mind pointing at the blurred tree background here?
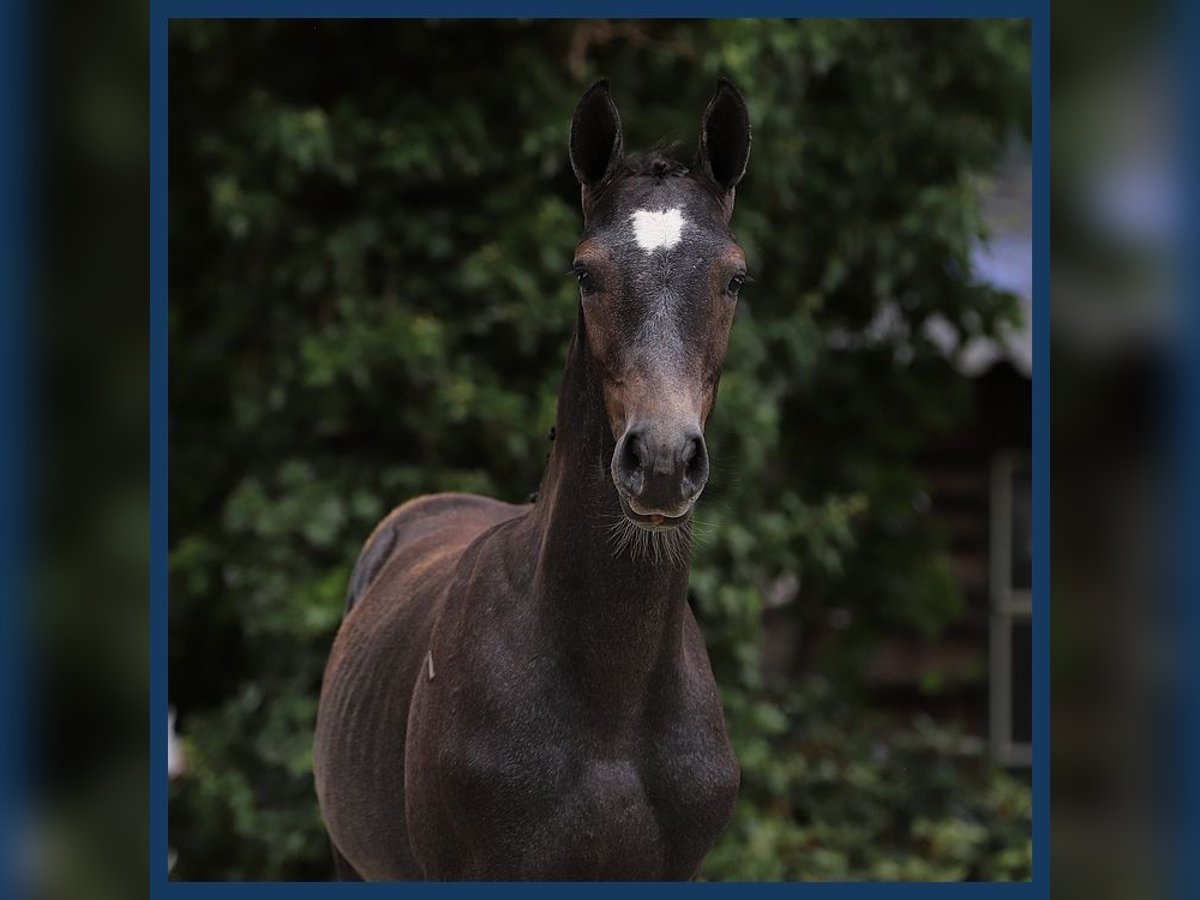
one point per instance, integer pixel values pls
(371, 229)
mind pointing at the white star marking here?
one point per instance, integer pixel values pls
(652, 230)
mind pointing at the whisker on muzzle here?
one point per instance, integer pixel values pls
(672, 547)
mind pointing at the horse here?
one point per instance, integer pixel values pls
(522, 692)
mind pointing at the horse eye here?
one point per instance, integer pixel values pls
(586, 283)
(735, 284)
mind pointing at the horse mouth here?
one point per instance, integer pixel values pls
(653, 521)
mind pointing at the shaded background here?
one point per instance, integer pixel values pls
(371, 229)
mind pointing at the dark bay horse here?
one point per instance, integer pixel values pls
(522, 692)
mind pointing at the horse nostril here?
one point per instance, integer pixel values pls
(690, 448)
(637, 450)
(631, 462)
(695, 464)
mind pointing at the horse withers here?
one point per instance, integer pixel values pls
(522, 692)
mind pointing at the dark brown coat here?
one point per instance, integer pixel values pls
(522, 692)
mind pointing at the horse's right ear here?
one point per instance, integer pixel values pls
(725, 138)
(597, 146)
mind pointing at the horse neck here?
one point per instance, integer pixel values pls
(615, 613)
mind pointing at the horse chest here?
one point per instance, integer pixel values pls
(643, 818)
(550, 799)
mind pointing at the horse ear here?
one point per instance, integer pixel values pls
(597, 146)
(724, 137)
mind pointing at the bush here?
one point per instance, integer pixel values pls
(827, 796)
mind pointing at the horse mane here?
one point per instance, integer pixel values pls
(659, 162)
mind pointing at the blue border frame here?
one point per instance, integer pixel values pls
(161, 11)
(158, 447)
(16, 160)
(1041, 451)
(1184, 807)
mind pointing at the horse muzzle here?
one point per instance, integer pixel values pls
(659, 473)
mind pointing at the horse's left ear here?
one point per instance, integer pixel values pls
(724, 138)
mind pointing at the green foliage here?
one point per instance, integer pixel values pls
(826, 797)
(371, 227)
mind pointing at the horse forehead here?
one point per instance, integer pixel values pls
(655, 229)
(651, 230)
